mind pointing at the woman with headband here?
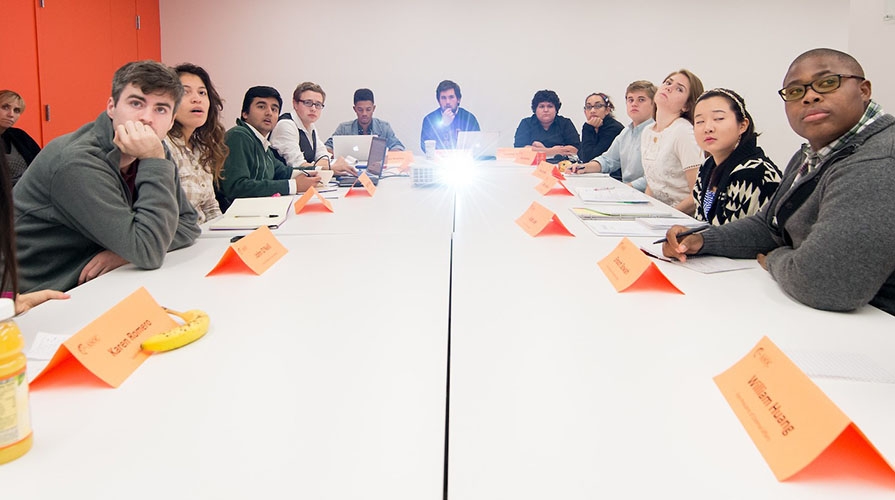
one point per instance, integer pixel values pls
(737, 179)
(600, 129)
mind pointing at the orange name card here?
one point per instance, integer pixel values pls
(369, 187)
(556, 173)
(790, 420)
(543, 170)
(539, 221)
(549, 186)
(253, 254)
(507, 153)
(526, 156)
(305, 198)
(400, 159)
(628, 268)
(109, 347)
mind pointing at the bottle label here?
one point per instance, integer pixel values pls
(15, 420)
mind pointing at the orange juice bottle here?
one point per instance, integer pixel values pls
(15, 418)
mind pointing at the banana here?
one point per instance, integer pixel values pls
(194, 327)
(563, 165)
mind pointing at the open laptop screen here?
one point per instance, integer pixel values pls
(376, 158)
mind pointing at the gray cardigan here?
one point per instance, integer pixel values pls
(72, 203)
(841, 249)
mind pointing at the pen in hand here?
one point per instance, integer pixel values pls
(688, 232)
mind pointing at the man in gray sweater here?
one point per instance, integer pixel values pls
(107, 193)
(827, 235)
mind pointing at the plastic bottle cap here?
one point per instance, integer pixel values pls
(7, 309)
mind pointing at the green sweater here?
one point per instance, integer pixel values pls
(249, 170)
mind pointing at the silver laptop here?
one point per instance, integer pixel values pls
(375, 163)
(482, 144)
(356, 146)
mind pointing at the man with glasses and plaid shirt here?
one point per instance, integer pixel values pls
(827, 235)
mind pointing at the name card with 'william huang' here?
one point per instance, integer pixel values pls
(792, 422)
(253, 254)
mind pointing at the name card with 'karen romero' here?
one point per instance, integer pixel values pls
(109, 347)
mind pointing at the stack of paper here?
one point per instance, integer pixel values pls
(622, 228)
(612, 194)
(620, 212)
(665, 223)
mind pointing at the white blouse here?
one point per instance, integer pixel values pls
(666, 156)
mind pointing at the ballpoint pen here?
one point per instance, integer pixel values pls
(685, 233)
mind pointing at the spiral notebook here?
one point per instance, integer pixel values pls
(252, 213)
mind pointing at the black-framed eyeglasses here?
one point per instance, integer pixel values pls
(311, 104)
(823, 85)
(588, 107)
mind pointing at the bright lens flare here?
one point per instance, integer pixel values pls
(457, 168)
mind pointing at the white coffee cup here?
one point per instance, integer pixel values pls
(430, 150)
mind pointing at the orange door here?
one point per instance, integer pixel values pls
(124, 34)
(74, 44)
(149, 37)
(20, 72)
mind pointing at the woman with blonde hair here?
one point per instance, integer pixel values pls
(670, 155)
(18, 147)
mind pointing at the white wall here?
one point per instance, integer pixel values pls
(871, 41)
(499, 52)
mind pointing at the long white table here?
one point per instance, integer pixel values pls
(313, 381)
(563, 388)
(326, 376)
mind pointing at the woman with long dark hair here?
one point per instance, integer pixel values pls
(196, 140)
(737, 179)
